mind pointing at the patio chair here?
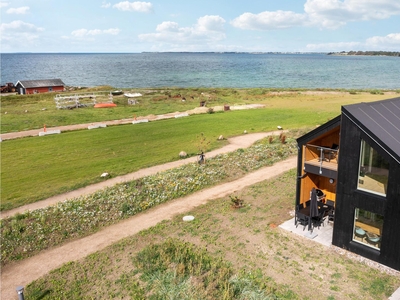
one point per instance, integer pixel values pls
(331, 215)
(330, 203)
(329, 153)
(319, 220)
(360, 233)
(333, 153)
(300, 218)
(331, 210)
(372, 238)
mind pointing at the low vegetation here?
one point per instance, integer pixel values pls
(25, 112)
(224, 253)
(36, 168)
(28, 233)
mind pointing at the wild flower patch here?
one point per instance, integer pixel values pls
(25, 234)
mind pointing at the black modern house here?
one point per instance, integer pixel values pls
(354, 161)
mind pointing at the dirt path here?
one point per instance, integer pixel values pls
(25, 271)
(197, 110)
(242, 141)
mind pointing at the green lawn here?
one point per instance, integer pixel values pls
(24, 112)
(35, 168)
(38, 167)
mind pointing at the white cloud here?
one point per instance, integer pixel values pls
(105, 5)
(19, 26)
(335, 13)
(207, 29)
(330, 14)
(134, 6)
(112, 31)
(19, 30)
(210, 23)
(3, 4)
(390, 42)
(79, 33)
(269, 20)
(19, 11)
(168, 26)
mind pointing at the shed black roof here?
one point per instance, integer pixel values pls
(380, 120)
(40, 83)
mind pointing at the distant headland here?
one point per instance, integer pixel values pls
(369, 53)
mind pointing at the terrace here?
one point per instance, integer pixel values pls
(321, 160)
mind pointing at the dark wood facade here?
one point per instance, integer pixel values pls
(351, 198)
(378, 125)
(39, 86)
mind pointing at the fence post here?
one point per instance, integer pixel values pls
(20, 292)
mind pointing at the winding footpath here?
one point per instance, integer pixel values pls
(25, 271)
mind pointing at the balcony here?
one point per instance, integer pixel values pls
(321, 160)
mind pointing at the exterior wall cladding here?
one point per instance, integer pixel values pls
(350, 198)
(44, 89)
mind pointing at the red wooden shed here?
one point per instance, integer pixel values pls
(39, 86)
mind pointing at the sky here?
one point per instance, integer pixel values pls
(103, 26)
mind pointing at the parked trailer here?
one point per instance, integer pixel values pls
(8, 88)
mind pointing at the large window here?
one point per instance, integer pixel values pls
(373, 170)
(367, 228)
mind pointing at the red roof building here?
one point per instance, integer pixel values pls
(39, 86)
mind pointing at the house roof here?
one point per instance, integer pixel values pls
(380, 120)
(40, 83)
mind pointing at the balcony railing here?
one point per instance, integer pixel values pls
(321, 156)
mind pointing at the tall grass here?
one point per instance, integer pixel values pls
(255, 260)
(173, 269)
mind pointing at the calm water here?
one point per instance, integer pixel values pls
(238, 70)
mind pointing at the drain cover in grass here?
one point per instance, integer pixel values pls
(188, 218)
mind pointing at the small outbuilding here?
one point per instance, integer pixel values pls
(39, 86)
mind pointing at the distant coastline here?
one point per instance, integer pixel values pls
(368, 53)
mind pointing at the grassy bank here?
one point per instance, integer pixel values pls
(24, 235)
(25, 112)
(36, 168)
(224, 253)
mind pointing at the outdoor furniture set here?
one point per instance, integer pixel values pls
(316, 217)
(371, 238)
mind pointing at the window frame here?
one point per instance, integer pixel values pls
(360, 177)
(362, 234)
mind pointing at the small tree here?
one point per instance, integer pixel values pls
(282, 138)
(202, 143)
(236, 202)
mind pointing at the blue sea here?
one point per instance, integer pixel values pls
(237, 70)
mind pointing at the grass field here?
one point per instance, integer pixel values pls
(224, 253)
(26, 234)
(35, 168)
(24, 112)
